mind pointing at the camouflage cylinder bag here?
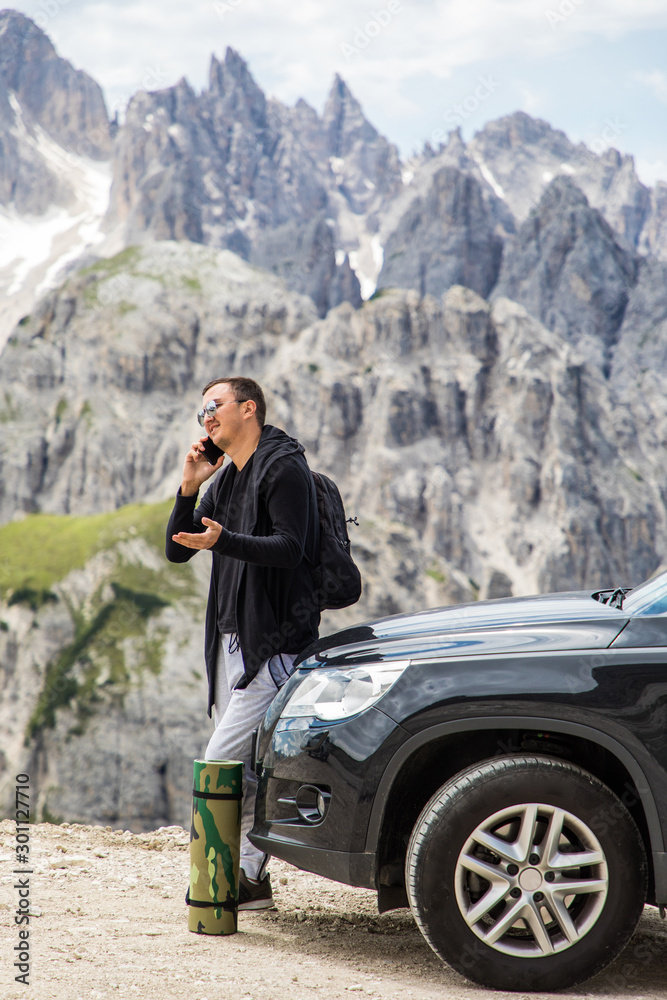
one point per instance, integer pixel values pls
(215, 838)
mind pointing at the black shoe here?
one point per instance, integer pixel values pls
(254, 895)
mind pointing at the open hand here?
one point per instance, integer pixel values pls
(200, 539)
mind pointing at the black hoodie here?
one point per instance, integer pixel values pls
(279, 539)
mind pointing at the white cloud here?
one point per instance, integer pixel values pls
(301, 40)
(657, 81)
(293, 49)
(651, 171)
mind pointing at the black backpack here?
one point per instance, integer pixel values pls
(337, 579)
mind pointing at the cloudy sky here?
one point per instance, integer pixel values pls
(595, 68)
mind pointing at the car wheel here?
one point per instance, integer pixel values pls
(526, 873)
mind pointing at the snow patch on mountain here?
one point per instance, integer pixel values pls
(367, 264)
(489, 178)
(29, 241)
(35, 250)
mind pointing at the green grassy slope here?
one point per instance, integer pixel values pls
(41, 550)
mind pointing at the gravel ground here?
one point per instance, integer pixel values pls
(109, 921)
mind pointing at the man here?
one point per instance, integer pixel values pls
(259, 519)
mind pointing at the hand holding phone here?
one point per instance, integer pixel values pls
(199, 465)
(211, 451)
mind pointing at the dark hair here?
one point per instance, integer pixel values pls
(243, 388)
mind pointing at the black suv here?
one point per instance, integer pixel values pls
(500, 767)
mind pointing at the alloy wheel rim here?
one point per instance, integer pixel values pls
(531, 880)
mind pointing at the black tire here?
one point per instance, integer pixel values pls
(541, 806)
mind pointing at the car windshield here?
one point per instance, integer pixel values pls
(648, 599)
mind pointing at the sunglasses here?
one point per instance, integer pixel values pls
(212, 406)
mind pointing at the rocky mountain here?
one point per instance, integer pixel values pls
(520, 156)
(567, 267)
(653, 238)
(55, 145)
(140, 331)
(365, 167)
(321, 201)
(231, 169)
(448, 237)
(513, 161)
(43, 101)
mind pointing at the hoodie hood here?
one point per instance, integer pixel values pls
(274, 444)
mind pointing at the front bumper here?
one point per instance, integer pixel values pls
(344, 761)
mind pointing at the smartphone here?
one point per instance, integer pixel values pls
(211, 451)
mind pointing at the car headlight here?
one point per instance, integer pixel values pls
(330, 693)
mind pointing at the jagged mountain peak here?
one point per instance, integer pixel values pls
(446, 237)
(174, 99)
(564, 205)
(301, 193)
(17, 34)
(304, 119)
(303, 105)
(232, 169)
(567, 267)
(343, 120)
(454, 153)
(455, 139)
(365, 164)
(67, 103)
(54, 146)
(340, 90)
(233, 90)
(561, 193)
(519, 156)
(14, 24)
(519, 128)
(183, 86)
(614, 158)
(230, 73)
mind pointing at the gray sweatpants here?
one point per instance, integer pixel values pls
(236, 714)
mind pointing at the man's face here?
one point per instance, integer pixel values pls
(227, 422)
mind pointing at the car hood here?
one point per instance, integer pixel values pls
(553, 622)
